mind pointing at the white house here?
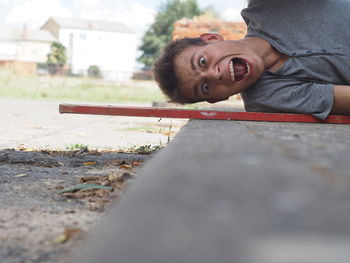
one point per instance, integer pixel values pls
(109, 45)
(23, 48)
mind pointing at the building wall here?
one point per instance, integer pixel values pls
(27, 51)
(32, 51)
(21, 57)
(8, 50)
(114, 53)
(19, 67)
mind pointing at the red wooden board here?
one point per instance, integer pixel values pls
(198, 114)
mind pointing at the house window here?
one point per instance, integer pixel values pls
(83, 36)
(34, 49)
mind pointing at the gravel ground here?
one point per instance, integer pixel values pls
(39, 223)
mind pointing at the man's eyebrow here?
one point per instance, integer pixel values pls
(192, 62)
(193, 66)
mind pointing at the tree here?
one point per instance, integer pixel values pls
(160, 32)
(56, 58)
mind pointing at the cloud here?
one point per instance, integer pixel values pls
(90, 3)
(36, 12)
(138, 15)
(135, 15)
(232, 14)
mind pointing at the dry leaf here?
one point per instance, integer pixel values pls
(113, 177)
(125, 166)
(114, 163)
(136, 163)
(89, 179)
(20, 175)
(24, 149)
(28, 150)
(168, 133)
(85, 187)
(89, 163)
(66, 235)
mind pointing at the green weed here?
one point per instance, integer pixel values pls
(145, 149)
(77, 147)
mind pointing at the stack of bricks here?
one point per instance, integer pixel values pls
(208, 24)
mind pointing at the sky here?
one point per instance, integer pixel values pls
(136, 14)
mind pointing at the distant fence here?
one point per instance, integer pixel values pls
(117, 75)
(33, 68)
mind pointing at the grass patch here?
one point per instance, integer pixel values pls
(145, 149)
(76, 89)
(77, 147)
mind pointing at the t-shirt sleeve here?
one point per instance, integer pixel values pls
(290, 96)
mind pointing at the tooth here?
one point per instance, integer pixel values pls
(232, 71)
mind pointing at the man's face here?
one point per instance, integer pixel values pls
(218, 70)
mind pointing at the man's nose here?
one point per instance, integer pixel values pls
(214, 73)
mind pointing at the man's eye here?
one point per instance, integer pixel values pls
(202, 61)
(205, 88)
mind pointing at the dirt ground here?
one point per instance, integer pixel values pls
(49, 201)
(43, 153)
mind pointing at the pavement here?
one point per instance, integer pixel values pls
(221, 191)
(230, 191)
(38, 125)
(33, 213)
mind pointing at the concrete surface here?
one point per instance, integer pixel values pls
(228, 191)
(222, 191)
(38, 125)
(32, 212)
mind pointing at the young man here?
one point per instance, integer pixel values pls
(295, 58)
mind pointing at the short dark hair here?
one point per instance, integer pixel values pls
(164, 68)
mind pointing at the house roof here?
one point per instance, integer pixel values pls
(76, 23)
(15, 34)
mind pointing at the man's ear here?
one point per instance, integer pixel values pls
(210, 37)
(216, 100)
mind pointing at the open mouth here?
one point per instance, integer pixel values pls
(239, 69)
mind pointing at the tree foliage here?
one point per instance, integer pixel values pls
(160, 32)
(57, 55)
(56, 58)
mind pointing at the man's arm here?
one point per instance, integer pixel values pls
(341, 104)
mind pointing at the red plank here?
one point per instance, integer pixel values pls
(198, 114)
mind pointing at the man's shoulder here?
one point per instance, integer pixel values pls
(277, 94)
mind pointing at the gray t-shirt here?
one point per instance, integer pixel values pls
(316, 36)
